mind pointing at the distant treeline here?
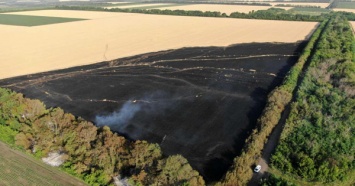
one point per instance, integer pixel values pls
(240, 173)
(299, 6)
(318, 141)
(216, 3)
(270, 14)
(96, 155)
(278, 14)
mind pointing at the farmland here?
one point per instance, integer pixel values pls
(166, 100)
(344, 10)
(26, 20)
(309, 11)
(172, 94)
(223, 8)
(19, 168)
(101, 39)
(345, 5)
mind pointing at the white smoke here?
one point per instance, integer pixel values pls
(150, 105)
(121, 117)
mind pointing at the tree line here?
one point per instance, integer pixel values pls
(318, 144)
(295, 5)
(241, 171)
(270, 14)
(94, 154)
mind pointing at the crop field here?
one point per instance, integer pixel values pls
(107, 36)
(184, 84)
(17, 168)
(309, 11)
(28, 20)
(345, 5)
(344, 10)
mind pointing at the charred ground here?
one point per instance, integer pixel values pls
(198, 102)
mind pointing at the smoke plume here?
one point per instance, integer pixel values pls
(149, 105)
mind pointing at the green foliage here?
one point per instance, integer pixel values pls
(175, 170)
(27, 20)
(7, 135)
(240, 173)
(345, 5)
(278, 14)
(96, 155)
(318, 141)
(315, 11)
(295, 5)
(273, 180)
(270, 14)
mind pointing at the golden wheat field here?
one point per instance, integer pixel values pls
(344, 10)
(107, 36)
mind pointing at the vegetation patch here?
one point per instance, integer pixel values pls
(240, 173)
(26, 20)
(318, 143)
(269, 14)
(345, 5)
(309, 11)
(156, 97)
(96, 155)
(17, 168)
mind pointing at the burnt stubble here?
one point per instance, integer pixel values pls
(198, 102)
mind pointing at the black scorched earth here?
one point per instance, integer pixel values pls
(198, 102)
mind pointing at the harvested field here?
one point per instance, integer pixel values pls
(198, 102)
(107, 36)
(344, 10)
(17, 168)
(219, 8)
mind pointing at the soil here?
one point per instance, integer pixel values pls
(198, 102)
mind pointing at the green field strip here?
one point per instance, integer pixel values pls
(309, 9)
(346, 5)
(17, 168)
(27, 20)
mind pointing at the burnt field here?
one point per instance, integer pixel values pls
(198, 102)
